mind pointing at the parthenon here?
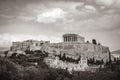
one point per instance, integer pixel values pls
(73, 38)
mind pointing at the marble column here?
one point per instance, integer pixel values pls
(70, 38)
(66, 39)
(76, 38)
(73, 39)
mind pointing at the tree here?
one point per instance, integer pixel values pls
(6, 52)
(115, 60)
(88, 42)
(93, 60)
(99, 43)
(14, 55)
(102, 61)
(94, 41)
(64, 57)
(8, 70)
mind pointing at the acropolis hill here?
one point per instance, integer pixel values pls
(73, 45)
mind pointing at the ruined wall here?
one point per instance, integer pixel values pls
(55, 62)
(28, 45)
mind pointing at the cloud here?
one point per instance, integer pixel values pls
(52, 11)
(103, 23)
(6, 16)
(90, 7)
(105, 2)
(26, 18)
(109, 4)
(51, 16)
(5, 43)
(108, 22)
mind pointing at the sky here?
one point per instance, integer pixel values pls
(49, 19)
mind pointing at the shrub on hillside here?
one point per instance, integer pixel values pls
(8, 70)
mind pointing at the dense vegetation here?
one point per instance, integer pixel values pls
(19, 67)
(68, 59)
(89, 61)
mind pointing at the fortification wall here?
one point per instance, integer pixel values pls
(28, 45)
(89, 50)
(81, 46)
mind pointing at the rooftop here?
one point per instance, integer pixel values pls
(70, 34)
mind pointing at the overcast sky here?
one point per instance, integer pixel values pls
(50, 19)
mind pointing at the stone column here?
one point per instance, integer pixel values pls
(70, 39)
(73, 38)
(76, 38)
(66, 39)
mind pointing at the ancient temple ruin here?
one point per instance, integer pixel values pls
(73, 38)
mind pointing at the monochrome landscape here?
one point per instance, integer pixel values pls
(59, 39)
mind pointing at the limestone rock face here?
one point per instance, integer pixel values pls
(88, 50)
